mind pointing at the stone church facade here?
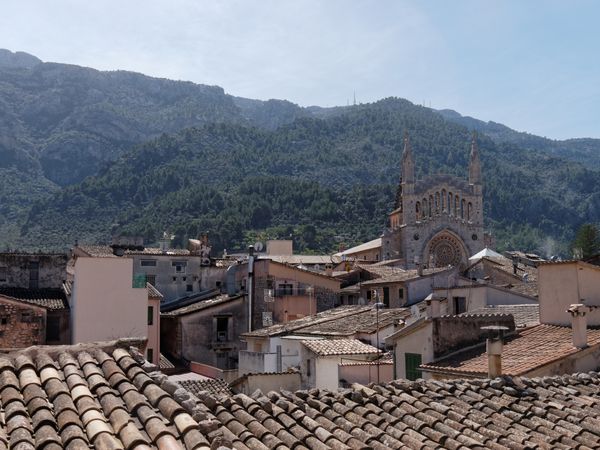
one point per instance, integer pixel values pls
(438, 221)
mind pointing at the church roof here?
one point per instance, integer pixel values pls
(375, 243)
(485, 253)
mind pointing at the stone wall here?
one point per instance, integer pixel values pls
(19, 270)
(451, 333)
(21, 325)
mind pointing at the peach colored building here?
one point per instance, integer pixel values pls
(108, 303)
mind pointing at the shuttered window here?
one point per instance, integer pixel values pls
(412, 363)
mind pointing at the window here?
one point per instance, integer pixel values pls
(150, 315)
(401, 293)
(151, 279)
(412, 363)
(286, 289)
(369, 295)
(26, 316)
(189, 288)
(460, 305)
(222, 329)
(148, 263)
(3, 273)
(308, 372)
(179, 266)
(386, 296)
(34, 274)
(149, 355)
(183, 278)
(52, 329)
(4, 320)
(218, 284)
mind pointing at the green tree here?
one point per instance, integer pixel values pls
(587, 241)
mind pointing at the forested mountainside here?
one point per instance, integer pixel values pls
(85, 154)
(318, 180)
(583, 150)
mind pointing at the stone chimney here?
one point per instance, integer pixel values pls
(578, 312)
(494, 346)
(434, 306)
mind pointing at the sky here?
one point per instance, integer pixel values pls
(532, 65)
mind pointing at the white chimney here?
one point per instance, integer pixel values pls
(579, 324)
(494, 352)
(493, 347)
(433, 306)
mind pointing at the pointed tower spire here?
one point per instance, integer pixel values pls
(408, 163)
(474, 162)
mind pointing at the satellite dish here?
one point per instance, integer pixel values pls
(258, 246)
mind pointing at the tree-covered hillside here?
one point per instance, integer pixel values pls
(320, 180)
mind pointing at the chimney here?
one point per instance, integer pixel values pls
(433, 306)
(329, 270)
(579, 324)
(494, 349)
(419, 265)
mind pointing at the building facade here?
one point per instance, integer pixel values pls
(438, 221)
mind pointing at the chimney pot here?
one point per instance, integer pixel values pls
(578, 313)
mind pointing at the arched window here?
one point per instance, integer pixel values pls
(418, 210)
(431, 205)
(450, 197)
(437, 202)
(462, 208)
(456, 205)
(469, 211)
(443, 200)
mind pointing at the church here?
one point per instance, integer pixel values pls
(437, 221)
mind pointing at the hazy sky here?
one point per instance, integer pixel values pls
(532, 65)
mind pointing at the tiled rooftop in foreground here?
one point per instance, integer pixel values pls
(103, 396)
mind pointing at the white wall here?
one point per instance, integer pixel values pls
(326, 372)
(419, 341)
(104, 305)
(561, 285)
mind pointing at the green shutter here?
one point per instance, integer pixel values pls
(412, 363)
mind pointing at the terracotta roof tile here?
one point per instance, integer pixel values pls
(329, 347)
(522, 352)
(525, 315)
(504, 413)
(54, 299)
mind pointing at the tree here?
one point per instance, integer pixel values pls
(587, 241)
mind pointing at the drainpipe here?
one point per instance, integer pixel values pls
(250, 287)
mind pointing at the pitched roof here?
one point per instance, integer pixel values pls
(201, 305)
(54, 299)
(525, 315)
(397, 275)
(46, 398)
(210, 385)
(331, 347)
(153, 292)
(343, 320)
(507, 413)
(99, 395)
(525, 351)
(375, 243)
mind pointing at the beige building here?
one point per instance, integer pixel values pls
(107, 302)
(564, 283)
(320, 360)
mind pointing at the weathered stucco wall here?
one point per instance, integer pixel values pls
(16, 270)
